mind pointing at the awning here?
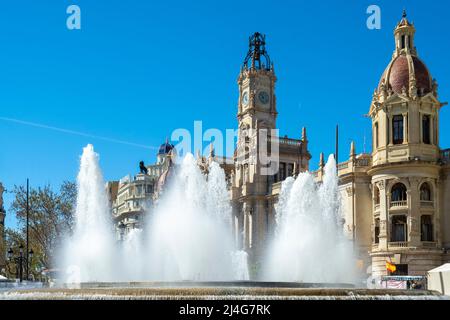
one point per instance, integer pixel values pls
(403, 278)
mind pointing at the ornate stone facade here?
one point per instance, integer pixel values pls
(131, 197)
(254, 189)
(398, 208)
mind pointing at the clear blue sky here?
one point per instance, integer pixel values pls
(140, 69)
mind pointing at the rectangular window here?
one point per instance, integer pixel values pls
(397, 127)
(426, 129)
(290, 170)
(282, 171)
(377, 230)
(376, 135)
(401, 270)
(426, 229)
(399, 230)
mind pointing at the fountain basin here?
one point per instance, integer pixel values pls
(239, 290)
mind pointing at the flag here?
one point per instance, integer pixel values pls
(391, 267)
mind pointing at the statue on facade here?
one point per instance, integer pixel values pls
(434, 88)
(143, 168)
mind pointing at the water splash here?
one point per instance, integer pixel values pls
(191, 227)
(309, 244)
(89, 255)
(187, 236)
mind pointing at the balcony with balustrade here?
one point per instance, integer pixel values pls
(398, 245)
(402, 204)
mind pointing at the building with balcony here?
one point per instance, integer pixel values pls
(396, 199)
(133, 196)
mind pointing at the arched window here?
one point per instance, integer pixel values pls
(376, 196)
(398, 192)
(426, 228)
(425, 192)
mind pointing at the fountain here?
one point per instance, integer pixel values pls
(187, 235)
(89, 253)
(186, 251)
(309, 244)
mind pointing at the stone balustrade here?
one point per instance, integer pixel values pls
(398, 244)
(399, 204)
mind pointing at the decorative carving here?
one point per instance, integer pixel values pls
(413, 89)
(434, 88)
(404, 90)
(383, 227)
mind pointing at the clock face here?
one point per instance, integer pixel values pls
(245, 98)
(263, 97)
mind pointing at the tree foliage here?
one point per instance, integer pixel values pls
(50, 219)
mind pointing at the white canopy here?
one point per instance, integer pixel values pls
(443, 268)
(439, 279)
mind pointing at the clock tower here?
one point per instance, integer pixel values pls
(256, 115)
(257, 103)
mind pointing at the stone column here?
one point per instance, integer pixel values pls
(384, 216)
(432, 129)
(413, 214)
(389, 135)
(437, 212)
(405, 128)
(259, 227)
(247, 225)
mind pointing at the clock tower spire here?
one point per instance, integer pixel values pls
(257, 104)
(256, 113)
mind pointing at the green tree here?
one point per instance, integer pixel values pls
(50, 219)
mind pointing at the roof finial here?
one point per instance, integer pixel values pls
(404, 13)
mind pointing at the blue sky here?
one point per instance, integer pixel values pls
(137, 70)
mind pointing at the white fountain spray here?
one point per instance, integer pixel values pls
(309, 244)
(89, 255)
(190, 231)
(187, 236)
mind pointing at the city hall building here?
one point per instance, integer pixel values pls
(396, 200)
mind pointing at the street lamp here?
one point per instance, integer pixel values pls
(19, 260)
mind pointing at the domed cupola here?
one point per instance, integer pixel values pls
(165, 148)
(406, 74)
(405, 106)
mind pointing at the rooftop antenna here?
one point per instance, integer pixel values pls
(336, 155)
(364, 144)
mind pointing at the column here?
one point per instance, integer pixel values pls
(389, 130)
(413, 214)
(384, 216)
(431, 129)
(405, 128)
(246, 227)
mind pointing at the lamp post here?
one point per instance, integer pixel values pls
(19, 260)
